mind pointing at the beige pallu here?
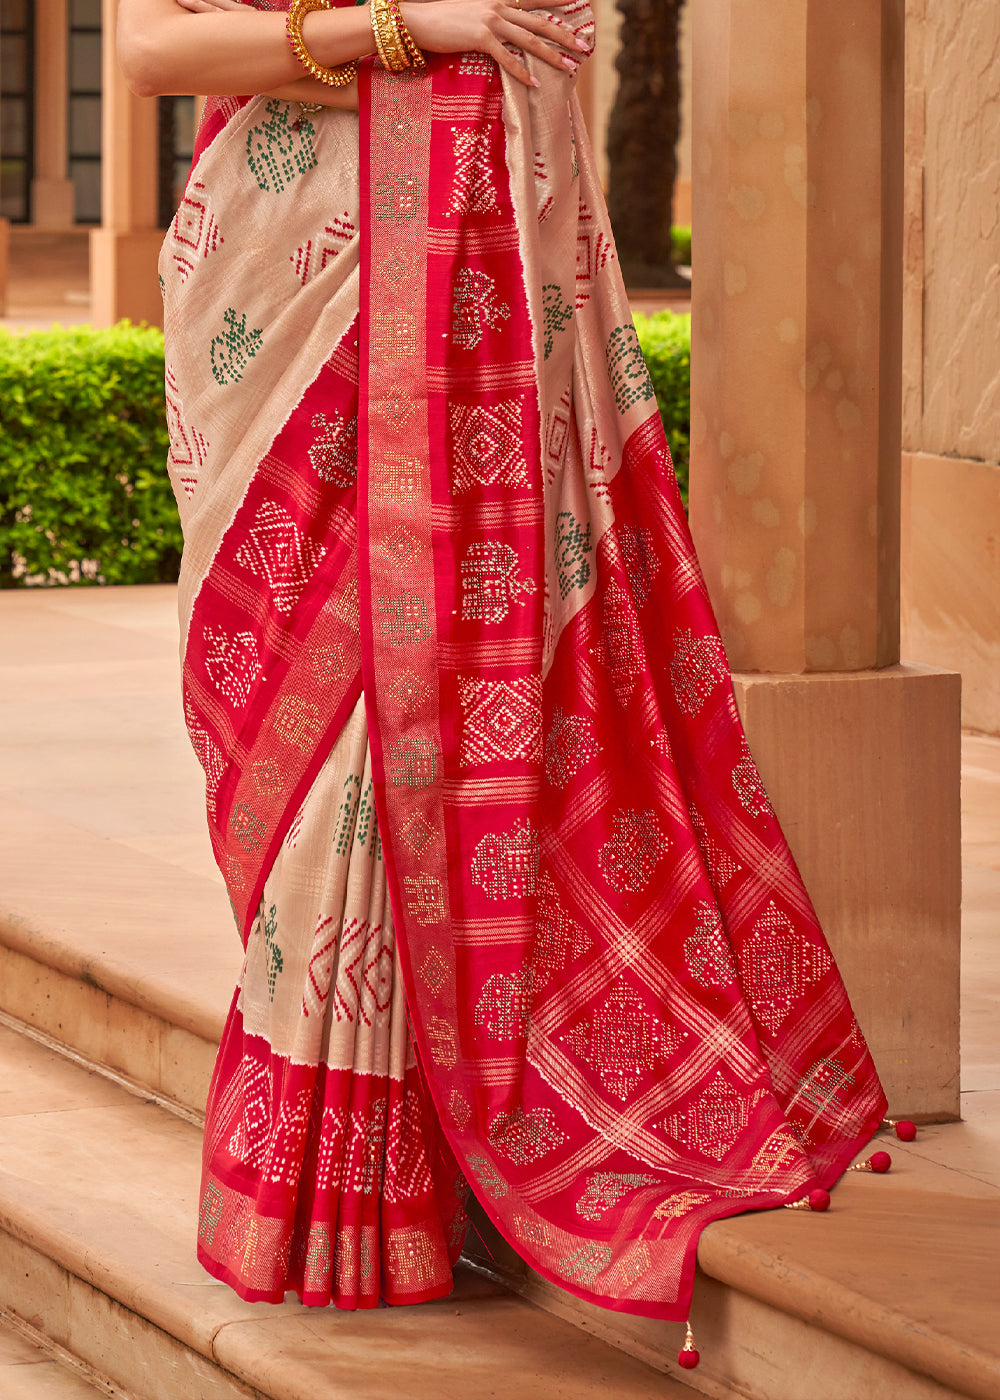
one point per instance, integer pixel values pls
(625, 1021)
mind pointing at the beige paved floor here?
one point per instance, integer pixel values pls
(50, 282)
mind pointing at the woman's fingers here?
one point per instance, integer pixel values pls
(204, 7)
(535, 44)
(546, 30)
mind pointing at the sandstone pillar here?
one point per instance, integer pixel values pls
(124, 250)
(795, 498)
(52, 201)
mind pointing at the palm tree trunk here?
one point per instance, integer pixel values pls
(642, 141)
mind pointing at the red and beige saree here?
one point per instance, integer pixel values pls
(516, 909)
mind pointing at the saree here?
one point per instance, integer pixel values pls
(517, 912)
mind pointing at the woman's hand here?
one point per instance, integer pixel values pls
(488, 26)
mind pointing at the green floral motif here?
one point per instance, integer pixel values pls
(278, 152)
(557, 314)
(572, 547)
(275, 957)
(234, 348)
(629, 376)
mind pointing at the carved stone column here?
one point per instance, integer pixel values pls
(795, 498)
(124, 250)
(52, 202)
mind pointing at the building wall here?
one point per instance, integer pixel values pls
(951, 400)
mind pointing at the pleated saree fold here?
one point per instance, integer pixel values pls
(517, 910)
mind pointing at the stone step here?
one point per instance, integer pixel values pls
(98, 1196)
(29, 1371)
(882, 1296)
(116, 941)
(116, 937)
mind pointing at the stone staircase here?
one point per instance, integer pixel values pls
(117, 959)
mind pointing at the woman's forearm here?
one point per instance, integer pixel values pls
(164, 49)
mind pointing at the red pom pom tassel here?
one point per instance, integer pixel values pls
(818, 1200)
(878, 1162)
(689, 1355)
(905, 1130)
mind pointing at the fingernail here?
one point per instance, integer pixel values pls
(534, 82)
(582, 44)
(570, 63)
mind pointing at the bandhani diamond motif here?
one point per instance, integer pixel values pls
(641, 561)
(711, 1125)
(195, 230)
(620, 648)
(748, 786)
(697, 667)
(623, 1042)
(504, 1005)
(525, 1137)
(210, 756)
(247, 827)
(401, 545)
(277, 550)
(418, 833)
(321, 963)
(313, 256)
(188, 448)
(491, 582)
(570, 743)
(434, 970)
(605, 1189)
(232, 663)
(501, 720)
(707, 951)
(776, 965)
(630, 856)
(487, 445)
(409, 690)
(505, 865)
(559, 941)
(334, 452)
(594, 250)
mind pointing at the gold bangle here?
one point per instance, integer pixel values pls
(333, 77)
(410, 44)
(388, 39)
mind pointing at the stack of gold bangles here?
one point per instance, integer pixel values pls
(396, 46)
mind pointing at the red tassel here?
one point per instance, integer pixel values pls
(878, 1162)
(905, 1130)
(689, 1355)
(818, 1200)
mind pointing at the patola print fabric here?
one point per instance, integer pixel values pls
(516, 908)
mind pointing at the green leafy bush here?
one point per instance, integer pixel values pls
(680, 238)
(84, 494)
(666, 343)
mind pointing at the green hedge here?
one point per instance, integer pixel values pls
(680, 238)
(84, 494)
(666, 343)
